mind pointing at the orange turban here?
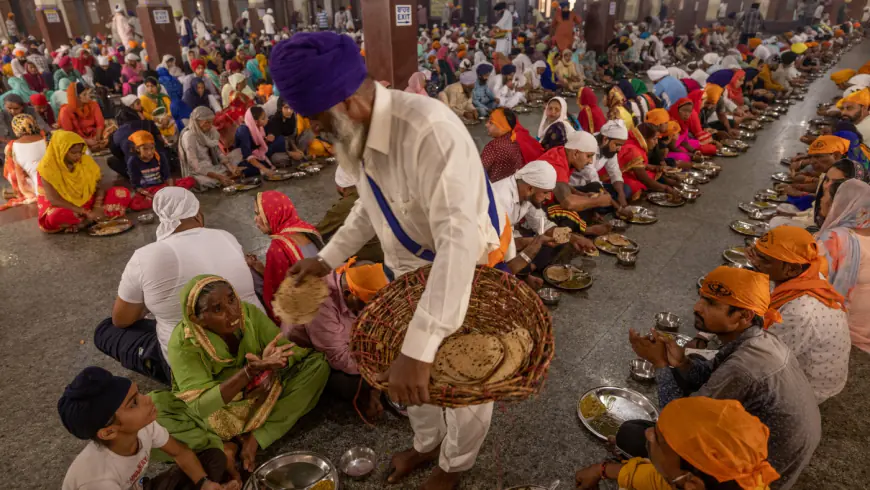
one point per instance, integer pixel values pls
(264, 90)
(132, 44)
(364, 281)
(788, 34)
(865, 69)
(843, 76)
(827, 144)
(754, 42)
(740, 288)
(657, 116)
(812, 44)
(554, 5)
(839, 33)
(436, 45)
(861, 97)
(719, 438)
(797, 246)
(140, 138)
(461, 54)
(498, 120)
(712, 92)
(673, 128)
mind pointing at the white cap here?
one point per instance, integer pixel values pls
(268, 11)
(538, 173)
(615, 129)
(711, 58)
(583, 141)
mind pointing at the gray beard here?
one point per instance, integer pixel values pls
(350, 140)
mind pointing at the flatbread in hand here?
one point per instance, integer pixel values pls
(299, 304)
(562, 235)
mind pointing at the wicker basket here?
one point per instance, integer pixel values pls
(499, 303)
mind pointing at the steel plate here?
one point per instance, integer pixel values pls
(749, 228)
(614, 406)
(580, 279)
(642, 215)
(737, 255)
(292, 471)
(110, 227)
(605, 246)
(783, 177)
(666, 200)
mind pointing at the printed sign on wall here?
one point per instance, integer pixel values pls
(51, 16)
(161, 17)
(403, 15)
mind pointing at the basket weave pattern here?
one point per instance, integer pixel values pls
(499, 303)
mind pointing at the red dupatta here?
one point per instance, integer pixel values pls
(278, 211)
(529, 146)
(634, 153)
(693, 124)
(591, 117)
(735, 87)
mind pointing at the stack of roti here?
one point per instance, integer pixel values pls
(477, 358)
(299, 304)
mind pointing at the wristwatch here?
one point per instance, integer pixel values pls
(202, 481)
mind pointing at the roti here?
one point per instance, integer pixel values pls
(517, 347)
(558, 274)
(467, 359)
(592, 253)
(617, 240)
(299, 304)
(562, 235)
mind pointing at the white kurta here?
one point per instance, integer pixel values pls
(509, 98)
(506, 23)
(122, 26)
(508, 197)
(427, 166)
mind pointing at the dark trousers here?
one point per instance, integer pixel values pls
(213, 461)
(744, 37)
(118, 166)
(135, 347)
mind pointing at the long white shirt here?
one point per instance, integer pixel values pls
(506, 23)
(340, 21)
(200, 29)
(123, 28)
(508, 198)
(819, 337)
(269, 24)
(522, 62)
(589, 173)
(427, 166)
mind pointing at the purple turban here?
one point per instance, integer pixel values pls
(316, 70)
(484, 69)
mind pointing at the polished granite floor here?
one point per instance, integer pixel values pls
(56, 288)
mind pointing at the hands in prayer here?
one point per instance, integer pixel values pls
(658, 348)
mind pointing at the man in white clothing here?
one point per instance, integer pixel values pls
(155, 276)
(419, 177)
(505, 25)
(269, 22)
(340, 20)
(121, 27)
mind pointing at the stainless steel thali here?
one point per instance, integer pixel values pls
(581, 279)
(665, 200)
(641, 215)
(783, 177)
(110, 227)
(607, 407)
(770, 195)
(749, 228)
(293, 470)
(605, 246)
(737, 255)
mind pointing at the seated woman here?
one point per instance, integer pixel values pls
(69, 186)
(634, 162)
(293, 239)
(693, 138)
(673, 152)
(149, 172)
(566, 72)
(310, 139)
(237, 97)
(157, 107)
(555, 125)
(283, 128)
(502, 156)
(82, 115)
(590, 117)
(42, 108)
(228, 374)
(200, 154)
(131, 74)
(251, 139)
(616, 107)
(22, 158)
(35, 80)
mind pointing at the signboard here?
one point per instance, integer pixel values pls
(161, 17)
(51, 16)
(612, 8)
(403, 15)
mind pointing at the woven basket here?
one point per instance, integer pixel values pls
(499, 303)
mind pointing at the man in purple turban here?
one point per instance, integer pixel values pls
(422, 191)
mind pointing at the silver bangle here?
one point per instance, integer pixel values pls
(525, 257)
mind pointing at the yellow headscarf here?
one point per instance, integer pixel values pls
(798, 48)
(364, 281)
(827, 144)
(76, 186)
(843, 76)
(657, 116)
(261, 60)
(861, 97)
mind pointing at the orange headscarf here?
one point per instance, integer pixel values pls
(865, 69)
(719, 438)
(657, 116)
(140, 138)
(843, 76)
(264, 90)
(754, 42)
(673, 128)
(860, 97)
(364, 281)
(740, 288)
(797, 246)
(497, 118)
(827, 144)
(713, 92)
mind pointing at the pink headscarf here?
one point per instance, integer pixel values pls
(258, 135)
(417, 84)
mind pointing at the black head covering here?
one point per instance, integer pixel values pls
(91, 400)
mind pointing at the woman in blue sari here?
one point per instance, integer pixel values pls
(848, 131)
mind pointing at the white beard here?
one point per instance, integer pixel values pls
(349, 143)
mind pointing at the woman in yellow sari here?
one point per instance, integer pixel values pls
(616, 107)
(156, 107)
(309, 139)
(234, 376)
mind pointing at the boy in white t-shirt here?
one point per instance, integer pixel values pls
(121, 424)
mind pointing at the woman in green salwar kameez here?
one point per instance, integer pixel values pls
(233, 374)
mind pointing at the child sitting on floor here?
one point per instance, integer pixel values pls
(122, 427)
(149, 171)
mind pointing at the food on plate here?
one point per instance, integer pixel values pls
(617, 240)
(558, 274)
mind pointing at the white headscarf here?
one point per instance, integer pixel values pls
(677, 72)
(129, 100)
(563, 118)
(171, 205)
(657, 72)
(538, 173)
(615, 129)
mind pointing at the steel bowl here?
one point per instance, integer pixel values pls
(146, 218)
(747, 135)
(750, 241)
(668, 321)
(358, 462)
(549, 296)
(626, 256)
(762, 214)
(618, 225)
(642, 370)
(689, 194)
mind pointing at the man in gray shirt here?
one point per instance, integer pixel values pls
(752, 367)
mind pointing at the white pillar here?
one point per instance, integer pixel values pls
(226, 17)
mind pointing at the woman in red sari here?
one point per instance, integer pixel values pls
(590, 116)
(82, 115)
(685, 113)
(292, 240)
(634, 162)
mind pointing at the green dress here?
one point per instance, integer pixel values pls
(194, 411)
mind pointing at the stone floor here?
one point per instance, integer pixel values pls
(56, 288)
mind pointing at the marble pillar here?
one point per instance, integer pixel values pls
(51, 24)
(600, 19)
(158, 29)
(390, 29)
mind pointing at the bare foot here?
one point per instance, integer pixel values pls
(230, 450)
(407, 461)
(441, 480)
(249, 452)
(374, 409)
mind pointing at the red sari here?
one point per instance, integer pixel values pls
(239, 105)
(692, 126)
(278, 211)
(84, 120)
(634, 155)
(590, 116)
(530, 147)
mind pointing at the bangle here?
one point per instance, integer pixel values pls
(604, 471)
(202, 481)
(247, 373)
(525, 257)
